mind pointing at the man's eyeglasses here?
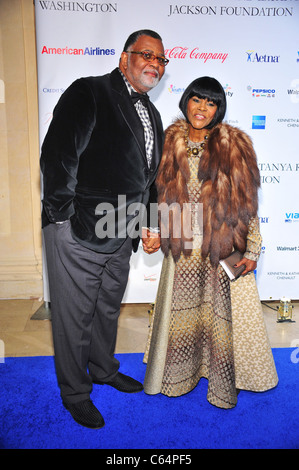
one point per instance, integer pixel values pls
(149, 57)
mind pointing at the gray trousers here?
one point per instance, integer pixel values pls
(86, 290)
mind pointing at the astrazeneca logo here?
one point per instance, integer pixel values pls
(253, 56)
(258, 122)
(261, 92)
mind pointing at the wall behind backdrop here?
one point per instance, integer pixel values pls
(250, 46)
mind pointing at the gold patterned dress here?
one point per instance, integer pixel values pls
(205, 325)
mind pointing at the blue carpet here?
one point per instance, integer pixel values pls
(32, 416)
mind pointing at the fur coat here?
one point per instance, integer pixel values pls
(229, 192)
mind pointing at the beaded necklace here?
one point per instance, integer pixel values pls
(196, 146)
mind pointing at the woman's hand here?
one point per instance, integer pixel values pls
(150, 241)
(249, 265)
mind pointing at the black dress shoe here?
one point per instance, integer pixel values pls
(85, 413)
(123, 383)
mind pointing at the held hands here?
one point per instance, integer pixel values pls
(249, 265)
(150, 241)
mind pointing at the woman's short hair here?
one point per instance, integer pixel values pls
(205, 88)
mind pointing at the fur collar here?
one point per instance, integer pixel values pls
(229, 192)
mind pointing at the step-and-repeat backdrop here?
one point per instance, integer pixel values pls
(250, 46)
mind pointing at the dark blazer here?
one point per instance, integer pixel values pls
(94, 163)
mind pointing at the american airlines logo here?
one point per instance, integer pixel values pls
(77, 51)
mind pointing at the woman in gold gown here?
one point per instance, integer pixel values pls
(204, 324)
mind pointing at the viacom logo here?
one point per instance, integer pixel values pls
(253, 56)
(292, 217)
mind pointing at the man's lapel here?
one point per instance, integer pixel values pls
(131, 117)
(128, 111)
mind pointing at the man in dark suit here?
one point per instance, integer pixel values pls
(99, 162)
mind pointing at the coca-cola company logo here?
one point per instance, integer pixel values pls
(181, 52)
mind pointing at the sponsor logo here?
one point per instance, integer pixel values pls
(264, 220)
(287, 248)
(293, 92)
(175, 90)
(292, 217)
(181, 52)
(253, 56)
(291, 276)
(228, 91)
(77, 51)
(53, 90)
(289, 122)
(258, 122)
(261, 92)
